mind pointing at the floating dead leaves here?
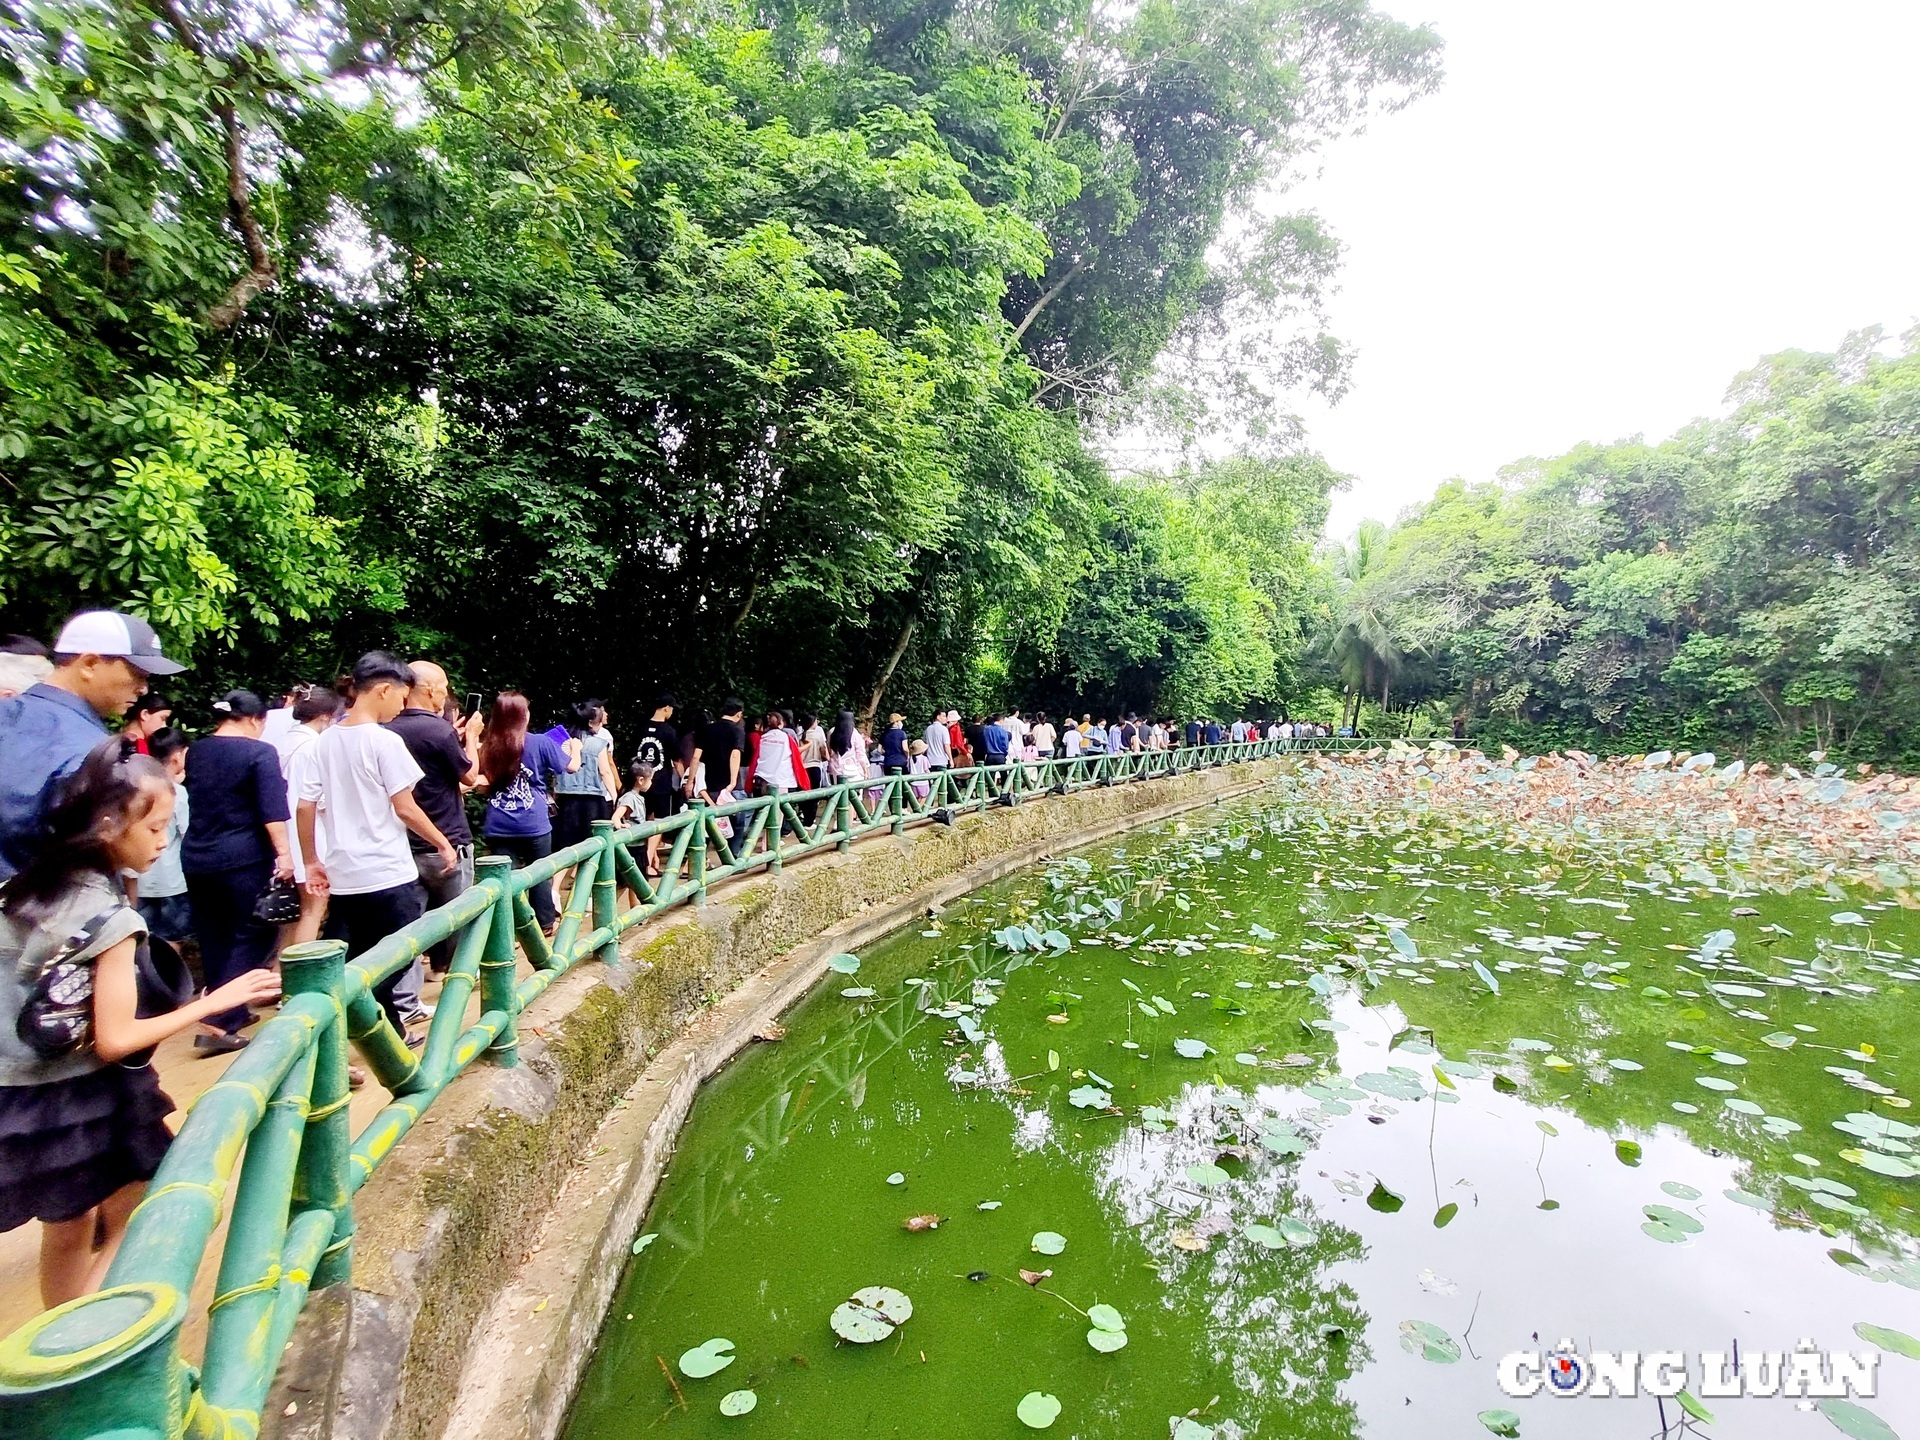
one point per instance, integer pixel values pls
(1782, 827)
(917, 1223)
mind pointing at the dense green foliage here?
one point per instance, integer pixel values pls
(1753, 581)
(724, 348)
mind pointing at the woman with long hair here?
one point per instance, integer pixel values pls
(846, 750)
(238, 842)
(517, 771)
(82, 1120)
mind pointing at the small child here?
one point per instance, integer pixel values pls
(81, 1133)
(163, 889)
(919, 764)
(631, 807)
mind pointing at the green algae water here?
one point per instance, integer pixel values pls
(1265, 1124)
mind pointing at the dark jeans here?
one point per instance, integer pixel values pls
(574, 823)
(232, 942)
(363, 921)
(523, 850)
(170, 917)
(442, 889)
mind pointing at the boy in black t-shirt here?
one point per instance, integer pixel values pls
(659, 751)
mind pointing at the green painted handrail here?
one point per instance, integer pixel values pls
(109, 1364)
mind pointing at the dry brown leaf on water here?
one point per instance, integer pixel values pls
(1034, 1277)
(918, 1223)
(1187, 1240)
(772, 1030)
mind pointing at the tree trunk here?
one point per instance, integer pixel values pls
(886, 674)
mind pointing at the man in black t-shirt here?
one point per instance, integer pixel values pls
(448, 759)
(718, 758)
(658, 748)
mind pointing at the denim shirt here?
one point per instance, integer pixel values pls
(45, 733)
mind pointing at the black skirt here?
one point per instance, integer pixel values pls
(68, 1145)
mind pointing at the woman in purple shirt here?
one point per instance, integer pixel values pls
(517, 770)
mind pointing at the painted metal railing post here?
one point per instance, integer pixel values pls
(697, 849)
(322, 1180)
(497, 963)
(106, 1364)
(605, 894)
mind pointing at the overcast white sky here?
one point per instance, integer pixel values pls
(1605, 212)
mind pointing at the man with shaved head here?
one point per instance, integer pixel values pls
(448, 759)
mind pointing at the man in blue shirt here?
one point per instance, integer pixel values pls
(101, 664)
(994, 739)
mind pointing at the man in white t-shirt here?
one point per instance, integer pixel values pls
(355, 807)
(939, 743)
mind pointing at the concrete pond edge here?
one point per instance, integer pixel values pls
(492, 1240)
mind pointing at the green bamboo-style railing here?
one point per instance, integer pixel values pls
(110, 1363)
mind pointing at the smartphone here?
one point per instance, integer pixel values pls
(473, 703)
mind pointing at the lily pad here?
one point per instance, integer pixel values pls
(1444, 1215)
(1192, 1049)
(1679, 1191)
(708, 1359)
(1207, 1176)
(1714, 1082)
(1618, 1064)
(1105, 1317)
(1678, 1219)
(1428, 1341)
(1037, 1411)
(1749, 1199)
(644, 1241)
(1856, 1421)
(1384, 1200)
(844, 964)
(1107, 1341)
(1089, 1097)
(1501, 1422)
(1048, 1242)
(1265, 1235)
(1627, 1152)
(1898, 1341)
(871, 1314)
(1663, 1232)
(738, 1402)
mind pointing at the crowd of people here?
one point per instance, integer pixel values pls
(128, 848)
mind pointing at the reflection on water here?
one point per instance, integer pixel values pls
(1317, 1104)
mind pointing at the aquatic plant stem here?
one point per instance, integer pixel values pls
(1063, 1300)
(678, 1394)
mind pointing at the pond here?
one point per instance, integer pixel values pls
(1284, 1121)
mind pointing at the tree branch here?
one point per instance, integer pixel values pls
(893, 660)
(262, 273)
(1045, 296)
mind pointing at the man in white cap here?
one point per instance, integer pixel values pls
(101, 662)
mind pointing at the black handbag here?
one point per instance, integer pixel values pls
(279, 904)
(57, 1017)
(162, 984)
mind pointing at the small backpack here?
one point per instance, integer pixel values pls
(57, 1018)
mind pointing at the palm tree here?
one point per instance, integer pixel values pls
(1363, 647)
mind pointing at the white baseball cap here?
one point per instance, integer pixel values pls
(123, 637)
